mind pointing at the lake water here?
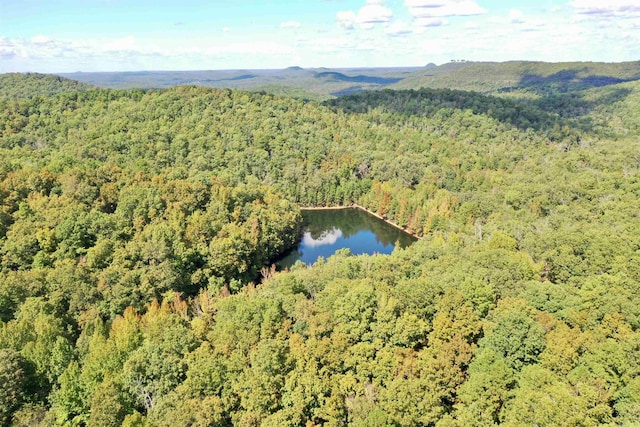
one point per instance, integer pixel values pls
(326, 231)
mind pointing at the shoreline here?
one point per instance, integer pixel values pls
(362, 208)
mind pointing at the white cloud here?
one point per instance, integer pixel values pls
(434, 47)
(331, 44)
(18, 54)
(125, 43)
(426, 3)
(290, 24)
(398, 29)
(346, 19)
(607, 8)
(41, 40)
(54, 55)
(373, 12)
(9, 49)
(398, 39)
(430, 22)
(248, 48)
(516, 16)
(443, 8)
(36, 47)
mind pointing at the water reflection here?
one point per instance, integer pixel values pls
(327, 238)
(327, 231)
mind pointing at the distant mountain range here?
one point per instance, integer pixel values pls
(518, 78)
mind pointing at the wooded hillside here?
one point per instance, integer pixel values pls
(137, 229)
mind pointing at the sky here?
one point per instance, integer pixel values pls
(54, 36)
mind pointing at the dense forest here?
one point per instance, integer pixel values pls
(29, 85)
(138, 227)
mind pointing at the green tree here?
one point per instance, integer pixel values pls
(13, 378)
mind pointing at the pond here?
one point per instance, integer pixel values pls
(327, 230)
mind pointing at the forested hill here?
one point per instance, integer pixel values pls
(522, 77)
(425, 102)
(137, 229)
(16, 85)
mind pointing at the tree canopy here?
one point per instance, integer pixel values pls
(137, 229)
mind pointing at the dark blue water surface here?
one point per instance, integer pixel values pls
(326, 231)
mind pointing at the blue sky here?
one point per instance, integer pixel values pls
(129, 35)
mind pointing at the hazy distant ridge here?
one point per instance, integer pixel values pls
(517, 77)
